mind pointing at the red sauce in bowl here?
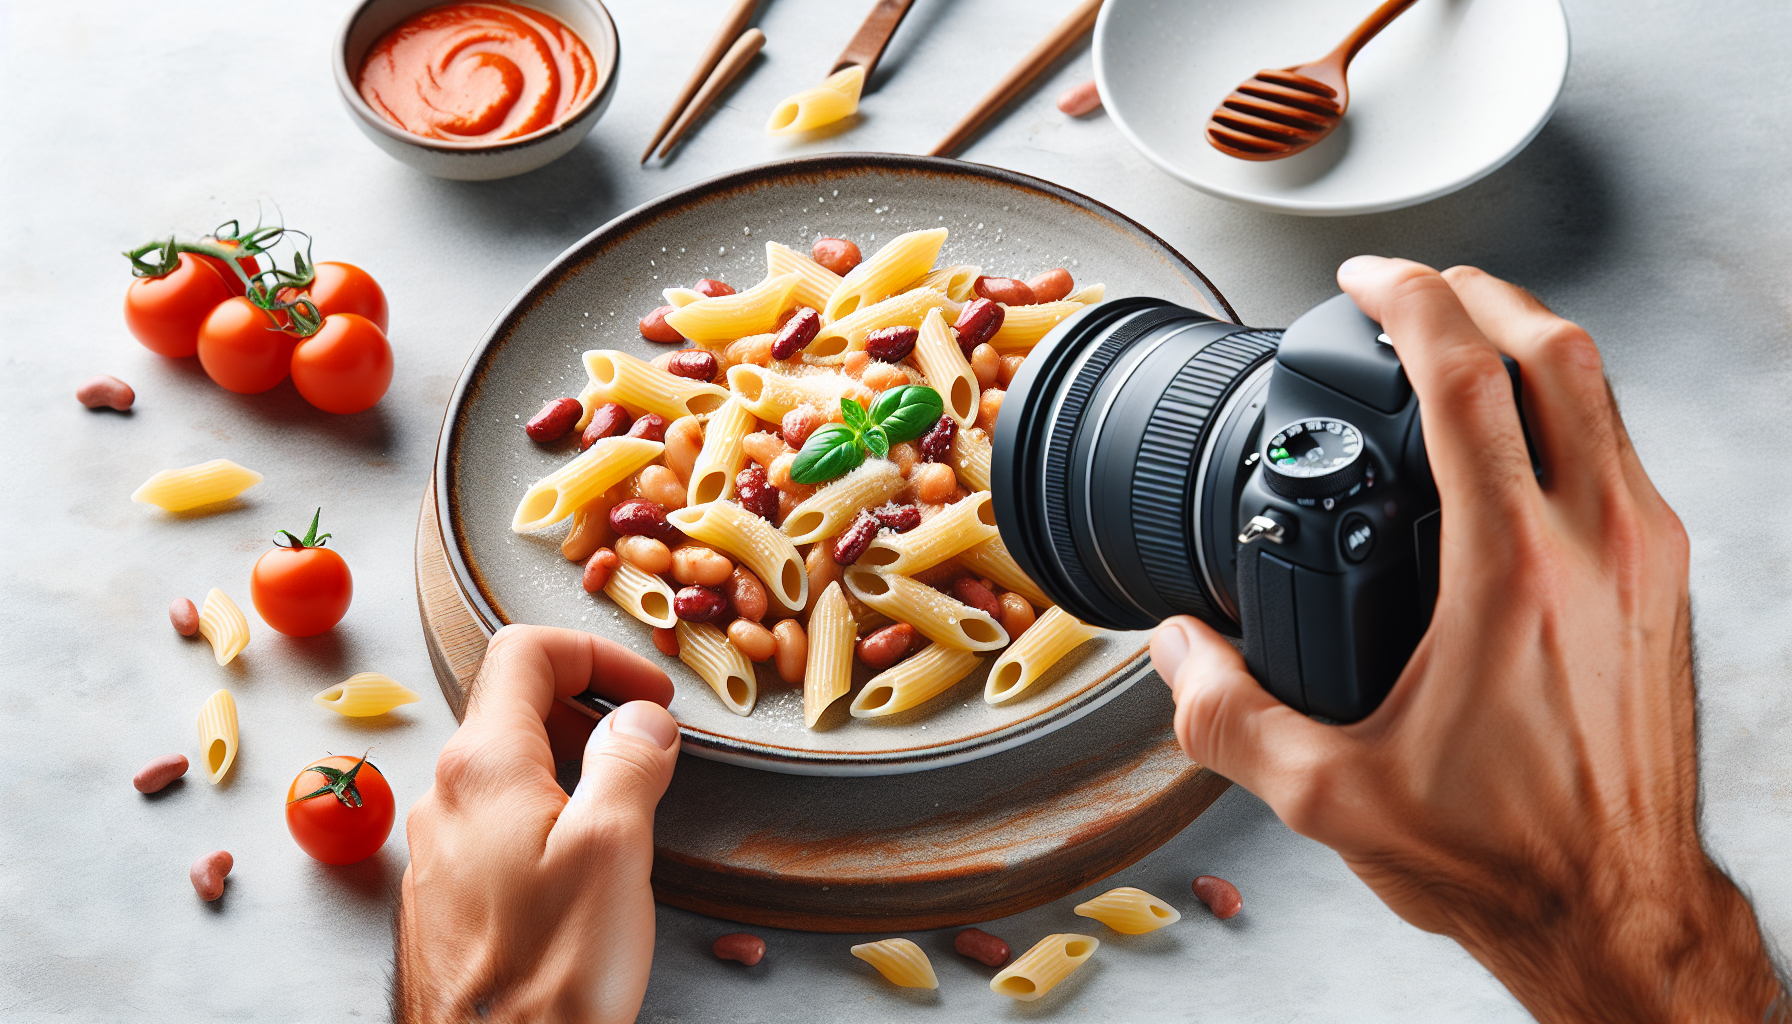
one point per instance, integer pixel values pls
(477, 72)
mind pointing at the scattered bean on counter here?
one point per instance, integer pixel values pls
(159, 772)
(1220, 896)
(207, 874)
(1080, 99)
(741, 947)
(184, 616)
(105, 392)
(982, 947)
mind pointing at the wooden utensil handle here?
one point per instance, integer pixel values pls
(1074, 26)
(727, 33)
(873, 36)
(1369, 29)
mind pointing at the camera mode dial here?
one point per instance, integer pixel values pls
(1312, 459)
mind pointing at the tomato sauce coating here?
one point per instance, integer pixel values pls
(477, 72)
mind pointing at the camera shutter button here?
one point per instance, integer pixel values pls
(1356, 537)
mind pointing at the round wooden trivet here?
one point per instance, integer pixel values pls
(931, 849)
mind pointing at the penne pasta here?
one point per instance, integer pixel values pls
(770, 394)
(958, 282)
(948, 371)
(991, 559)
(1050, 637)
(835, 99)
(830, 509)
(643, 595)
(1023, 326)
(681, 297)
(366, 694)
(1088, 295)
(720, 664)
(598, 468)
(848, 333)
(205, 484)
(970, 458)
(752, 541)
(899, 960)
(815, 282)
(638, 384)
(827, 674)
(712, 475)
(963, 524)
(1040, 969)
(937, 617)
(727, 317)
(218, 735)
(913, 681)
(1129, 911)
(895, 268)
(223, 625)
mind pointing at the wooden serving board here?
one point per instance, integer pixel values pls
(933, 849)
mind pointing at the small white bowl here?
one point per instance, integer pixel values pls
(477, 161)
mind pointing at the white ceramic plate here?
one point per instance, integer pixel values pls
(1444, 96)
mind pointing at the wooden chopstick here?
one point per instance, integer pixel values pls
(738, 57)
(1062, 38)
(726, 35)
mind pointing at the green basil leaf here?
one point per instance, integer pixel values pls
(854, 415)
(907, 412)
(832, 450)
(877, 441)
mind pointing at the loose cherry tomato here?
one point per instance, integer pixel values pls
(248, 263)
(345, 367)
(344, 288)
(339, 809)
(165, 313)
(242, 350)
(303, 588)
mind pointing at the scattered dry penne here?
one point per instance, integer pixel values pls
(223, 625)
(217, 735)
(366, 694)
(1129, 911)
(1042, 968)
(196, 486)
(899, 960)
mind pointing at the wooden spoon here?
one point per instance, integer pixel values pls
(1278, 113)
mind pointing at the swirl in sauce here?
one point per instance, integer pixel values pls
(477, 72)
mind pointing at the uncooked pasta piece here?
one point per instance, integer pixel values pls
(223, 625)
(217, 735)
(366, 694)
(205, 484)
(1040, 969)
(899, 960)
(1129, 911)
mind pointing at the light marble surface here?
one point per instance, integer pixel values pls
(1652, 210)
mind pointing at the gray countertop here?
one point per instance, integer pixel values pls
(1656, 209)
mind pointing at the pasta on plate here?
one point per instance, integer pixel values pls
(816, 489)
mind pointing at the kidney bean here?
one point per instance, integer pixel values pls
(608, 420)
(694, 363)
(640, 517)
(934, 483)
(891, 344)
(661, 486)
(901, 518)
(650, 427)
(696, 565)
(754, 640)
(158, 773)
(881, 377)
(600, 568)
(655, 328)
(982, 947)
(554, 420)
(699, 604)
(977, 596)
(977, 323)
(796, 334)
(756, 493)
(1220, 896)
(1080, 99)
(1051, 285)
(710, 288)
(1005, 290)
(936, 444)
(887, 646)
(1017, 615)
(741, 947)
(746, 594)
(644, 553)
(207, 874)
(793, 650)
(665, 638)
(799, 423)
(855, 539)
(184, 616)
(105, 392)
(836, 254)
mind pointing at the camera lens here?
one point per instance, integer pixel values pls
(1118, 456)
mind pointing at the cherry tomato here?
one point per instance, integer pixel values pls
(303, 588)
(339, 809)
(234, 283)
(165, 313)
(344, 288)
(345, 367)
(242, 350)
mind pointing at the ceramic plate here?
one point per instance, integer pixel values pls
(1442, 97)
(592, 296)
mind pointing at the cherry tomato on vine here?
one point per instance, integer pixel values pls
(242, 349)
(231, 281)
(301, 588)
(165, 313)
(345, 367)
(339, 809)
(344, 288)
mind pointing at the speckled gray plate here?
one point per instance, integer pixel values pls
(592, 296)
